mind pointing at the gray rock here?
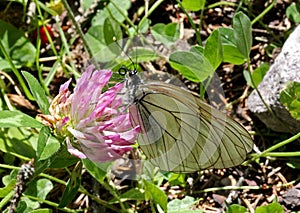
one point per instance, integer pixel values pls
(285, 68)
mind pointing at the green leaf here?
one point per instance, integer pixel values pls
(47, 144)
(213, 49)
(112, 31)
(293, 12)
(141, 54)
(197, 49)
(193, 5)
(131, 194)
(72, 186)
(271, 208)
(155, 194)
(38, 92)
(4, 191)
(243, 33)
(290, 98)
(4, 65)
(166, 34)
(97, 170)
(247, 77)
(116, 8)
(62, 158)
(183, 205)
(231, 54)
(19, 141)
(236, 209)
(257, 75)
(43, 187)
(153, 174)
(100, 40)
(7, 192)
(39, 188)
(87, 4)
(6, 199)
(42, 141)
(17, 119)
(294, 164)
(19, 48)
(177, 179)
(27, 205)
(142, 28)
(193, 66)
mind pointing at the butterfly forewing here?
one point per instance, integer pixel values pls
(181, 133)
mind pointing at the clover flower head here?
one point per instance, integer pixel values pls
(96, 121)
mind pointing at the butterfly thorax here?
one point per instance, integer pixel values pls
(132, 88)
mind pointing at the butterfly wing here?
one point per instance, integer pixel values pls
(181, 133)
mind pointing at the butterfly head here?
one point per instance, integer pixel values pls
(131, 84)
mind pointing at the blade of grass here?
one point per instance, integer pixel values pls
(16, 72)
(78, 28)
(263, 13)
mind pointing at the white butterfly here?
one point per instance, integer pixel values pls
(181, 133)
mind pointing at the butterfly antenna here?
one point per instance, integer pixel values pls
(134, 65)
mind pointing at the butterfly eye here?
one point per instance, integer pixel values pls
(132, 72)
(123, 71)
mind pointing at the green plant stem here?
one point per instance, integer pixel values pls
(152, 207)
(9, 167)
(82, 190)
(203, 87)
(78, 28)
(201, 21)
(16, 72)
(5, 200)
(222, 3)
(50, 203)
(38, 6)
(266, 10)
(276, 146)
(37, 62)
(116, 20)
(150, 11)
(98, 200)
(45, 28)
(243, 187)
(65, 44)
(6, 100)
(258, 92)
(198, 36)
(282, 154)
(131, 24)
(113, 192)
